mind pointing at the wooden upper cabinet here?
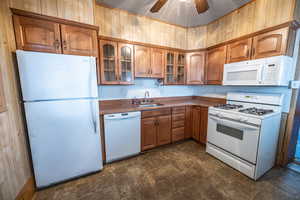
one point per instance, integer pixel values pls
(109, 62)
(37, 35)
(149, 136)
(239, 51)
(79, 41)
(142, 58)
(215, 60)
(170, 68)
(195, 68)
(157, 63)
(164, 130)
(126, 66)
(180, 68)
(174, 68)
(272, 43)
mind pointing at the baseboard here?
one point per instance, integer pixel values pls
(28, 190)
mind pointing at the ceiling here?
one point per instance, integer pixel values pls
(180, 12)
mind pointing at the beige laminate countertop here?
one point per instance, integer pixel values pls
(105, 109)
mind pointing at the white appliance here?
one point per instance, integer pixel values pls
(272, 71)
(62, 113)
(122, 135)
(244, 132)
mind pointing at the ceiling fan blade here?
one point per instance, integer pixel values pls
(201, 6)
(158, 5)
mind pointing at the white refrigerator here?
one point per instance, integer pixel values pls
(60, 98)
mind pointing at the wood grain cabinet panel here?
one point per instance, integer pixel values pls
(273, 43)
(2, 98)
(203, 124)
(149, 133)
(142, 59)
(195, 68)
(163, 130)
(215, 60)
(188, 122)
(239, 51)
(157, 63)
(37, 35)
(79, 41)
(196, 117)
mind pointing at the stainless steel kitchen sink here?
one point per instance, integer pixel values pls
(150, 105)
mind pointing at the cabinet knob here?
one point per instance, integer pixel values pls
(56, 44)
(64, 44)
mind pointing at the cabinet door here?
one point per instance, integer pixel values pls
(79, 41)
(125, 55)
(180, 68)
(37, 35)
(149, 136)
(273, 43)
(239, 51)
(142, 60)
(195, 68)
(196, 117)
(215, 60)
(164, 130)
(157, 63)
(203, 124)
(188, 122)
(170, 69)
(108, 65)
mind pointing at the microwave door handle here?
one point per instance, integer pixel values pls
(261, 75)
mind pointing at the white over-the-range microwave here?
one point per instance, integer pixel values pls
(272, 71)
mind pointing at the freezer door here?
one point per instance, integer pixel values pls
(46, 76)
(64, 139)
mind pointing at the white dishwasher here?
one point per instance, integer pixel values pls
(122, 135)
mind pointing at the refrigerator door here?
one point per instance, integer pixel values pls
(64, 138)
(46, 76)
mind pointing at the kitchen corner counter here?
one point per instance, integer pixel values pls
(119, 106)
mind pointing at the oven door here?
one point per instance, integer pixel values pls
(234, 137)
(242, 74)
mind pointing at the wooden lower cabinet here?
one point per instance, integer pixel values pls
(188, 122)
(163, 130)
(149, 133)
(156, 128)
(199, 123)
(178, 123)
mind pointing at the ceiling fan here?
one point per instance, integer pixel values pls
(201, 5)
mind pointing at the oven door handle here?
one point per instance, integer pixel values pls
(233, 124)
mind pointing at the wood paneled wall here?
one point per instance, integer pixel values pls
(196, 37)
(252, 17)
(76, 10)
(14, 162)
(124, 25)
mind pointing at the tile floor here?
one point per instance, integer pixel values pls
(179, 171)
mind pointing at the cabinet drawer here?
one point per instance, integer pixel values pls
(178, 110)
(158, 112)
(177, 124)
(178, 117)
(177, 134)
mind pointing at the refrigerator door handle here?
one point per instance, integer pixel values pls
(93, 117)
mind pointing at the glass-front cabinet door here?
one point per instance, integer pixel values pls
(125, 63)
(170, 68)
(180, 68)
(109, 70)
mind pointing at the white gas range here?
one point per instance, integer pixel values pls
(244, 132)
